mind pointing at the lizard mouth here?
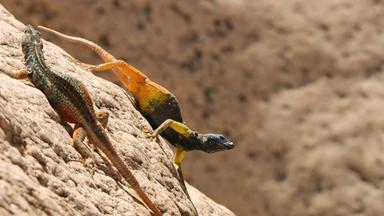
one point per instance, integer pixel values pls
(217, 142)
(225, 146)
(229, 145)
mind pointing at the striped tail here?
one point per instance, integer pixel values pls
(99, 138)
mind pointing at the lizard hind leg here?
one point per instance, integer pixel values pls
(79, 134)
(113, 65)
(78, 138)
(124, 71)
(102, 116)
(106, 66)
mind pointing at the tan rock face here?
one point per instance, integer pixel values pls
(295, 83)
(40, 171)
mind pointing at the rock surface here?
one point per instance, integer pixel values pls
(40, 172)
(296, 83)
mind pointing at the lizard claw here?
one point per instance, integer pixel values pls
(90, 165)
(77, 160)
(154, 136)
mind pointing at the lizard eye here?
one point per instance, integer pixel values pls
(29, 74)
(27, 30)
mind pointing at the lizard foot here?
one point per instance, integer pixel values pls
(153, 137)
(90, 68)
(90, 165)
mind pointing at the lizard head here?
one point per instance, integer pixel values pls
(215, 142)
(30, 38)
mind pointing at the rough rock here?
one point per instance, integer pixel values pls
(204, 205)
(40, 171)
(273, 75)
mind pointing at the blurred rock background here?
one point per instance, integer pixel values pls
(297, 84)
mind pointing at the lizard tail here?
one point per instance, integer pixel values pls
(106, 56)
(98, 137)
(130, 178)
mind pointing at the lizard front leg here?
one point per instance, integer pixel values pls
(20, 74)
(179, 157)
(183, 130)
(180, 128)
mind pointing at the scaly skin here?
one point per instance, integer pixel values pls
(156, 104)
(73, 103)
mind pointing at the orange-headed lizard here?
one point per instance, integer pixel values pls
(73, 103)
(156, 104)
